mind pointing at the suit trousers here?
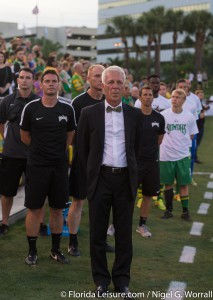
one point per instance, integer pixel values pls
(112, 192)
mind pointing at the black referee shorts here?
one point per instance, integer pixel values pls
(149, 178)
(50, 181)
(11, 170)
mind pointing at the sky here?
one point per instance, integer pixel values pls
(52, 13)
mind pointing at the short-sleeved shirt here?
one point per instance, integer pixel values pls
(152, 125)
(48, 127)
(159, 104)
(10, 114)
(83, 101)
(176, 142)
(77, 85)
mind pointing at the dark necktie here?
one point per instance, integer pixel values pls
(116, 109)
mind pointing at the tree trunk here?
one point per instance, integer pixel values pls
(157, 55)
(126, 53)
(200, 38)
(148, 61)
(174, 71)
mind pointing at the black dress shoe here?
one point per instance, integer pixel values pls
(109, 248)
(124, 291)
(197, 161)
(101, 291)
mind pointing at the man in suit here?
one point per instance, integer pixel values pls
(107, 141)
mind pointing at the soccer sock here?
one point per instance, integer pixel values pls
(56, 238)
(73, 239)
(142, 221)
(139, 192)
(161, 192)
(169, 194)
(32, 243)
(185, 203)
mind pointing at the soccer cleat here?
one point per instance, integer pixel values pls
(159, 203)
(4, 229)
(194, 183)
(43, 230)
(176, 197)
(197, 161)
(186, 216)
(73, 250)
(111, 230)
(59, 256)
(143, 230)
(167, 215)
(31, 259)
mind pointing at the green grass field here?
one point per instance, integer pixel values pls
(155, 261)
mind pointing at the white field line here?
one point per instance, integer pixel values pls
(208, 195)
(210, 185)
(188, 254)
(176, 290)
(203, 173)
(196, 228)
(211, 175)
(203, 209)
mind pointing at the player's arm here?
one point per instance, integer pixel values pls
(70, 137)
(25, 137)
(2, 130)
(160, 138)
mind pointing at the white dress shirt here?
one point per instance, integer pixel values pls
(114, 144)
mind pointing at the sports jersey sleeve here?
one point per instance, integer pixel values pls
(162, 125)
(193, 126)
(71, 125)
(25, 122)
(3, 111)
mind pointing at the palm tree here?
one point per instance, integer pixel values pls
(120, 27)
(145, 22)
(47, 45)
(158, 27)
(174, 20)
(199, 24)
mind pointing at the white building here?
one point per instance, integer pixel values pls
(112, 48)
(80, 42)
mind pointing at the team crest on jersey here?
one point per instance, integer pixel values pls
(60, 118)
(155, 124)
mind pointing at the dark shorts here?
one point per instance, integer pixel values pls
(149, 178)
(11, 170)
(77, 179)
(50, 181)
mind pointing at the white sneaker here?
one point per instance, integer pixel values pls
(111, 230)
(144, 231)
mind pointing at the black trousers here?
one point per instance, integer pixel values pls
(112, 192)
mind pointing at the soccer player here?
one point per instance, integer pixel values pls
(180, 126)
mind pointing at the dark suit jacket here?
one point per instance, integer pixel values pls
(90, 143)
